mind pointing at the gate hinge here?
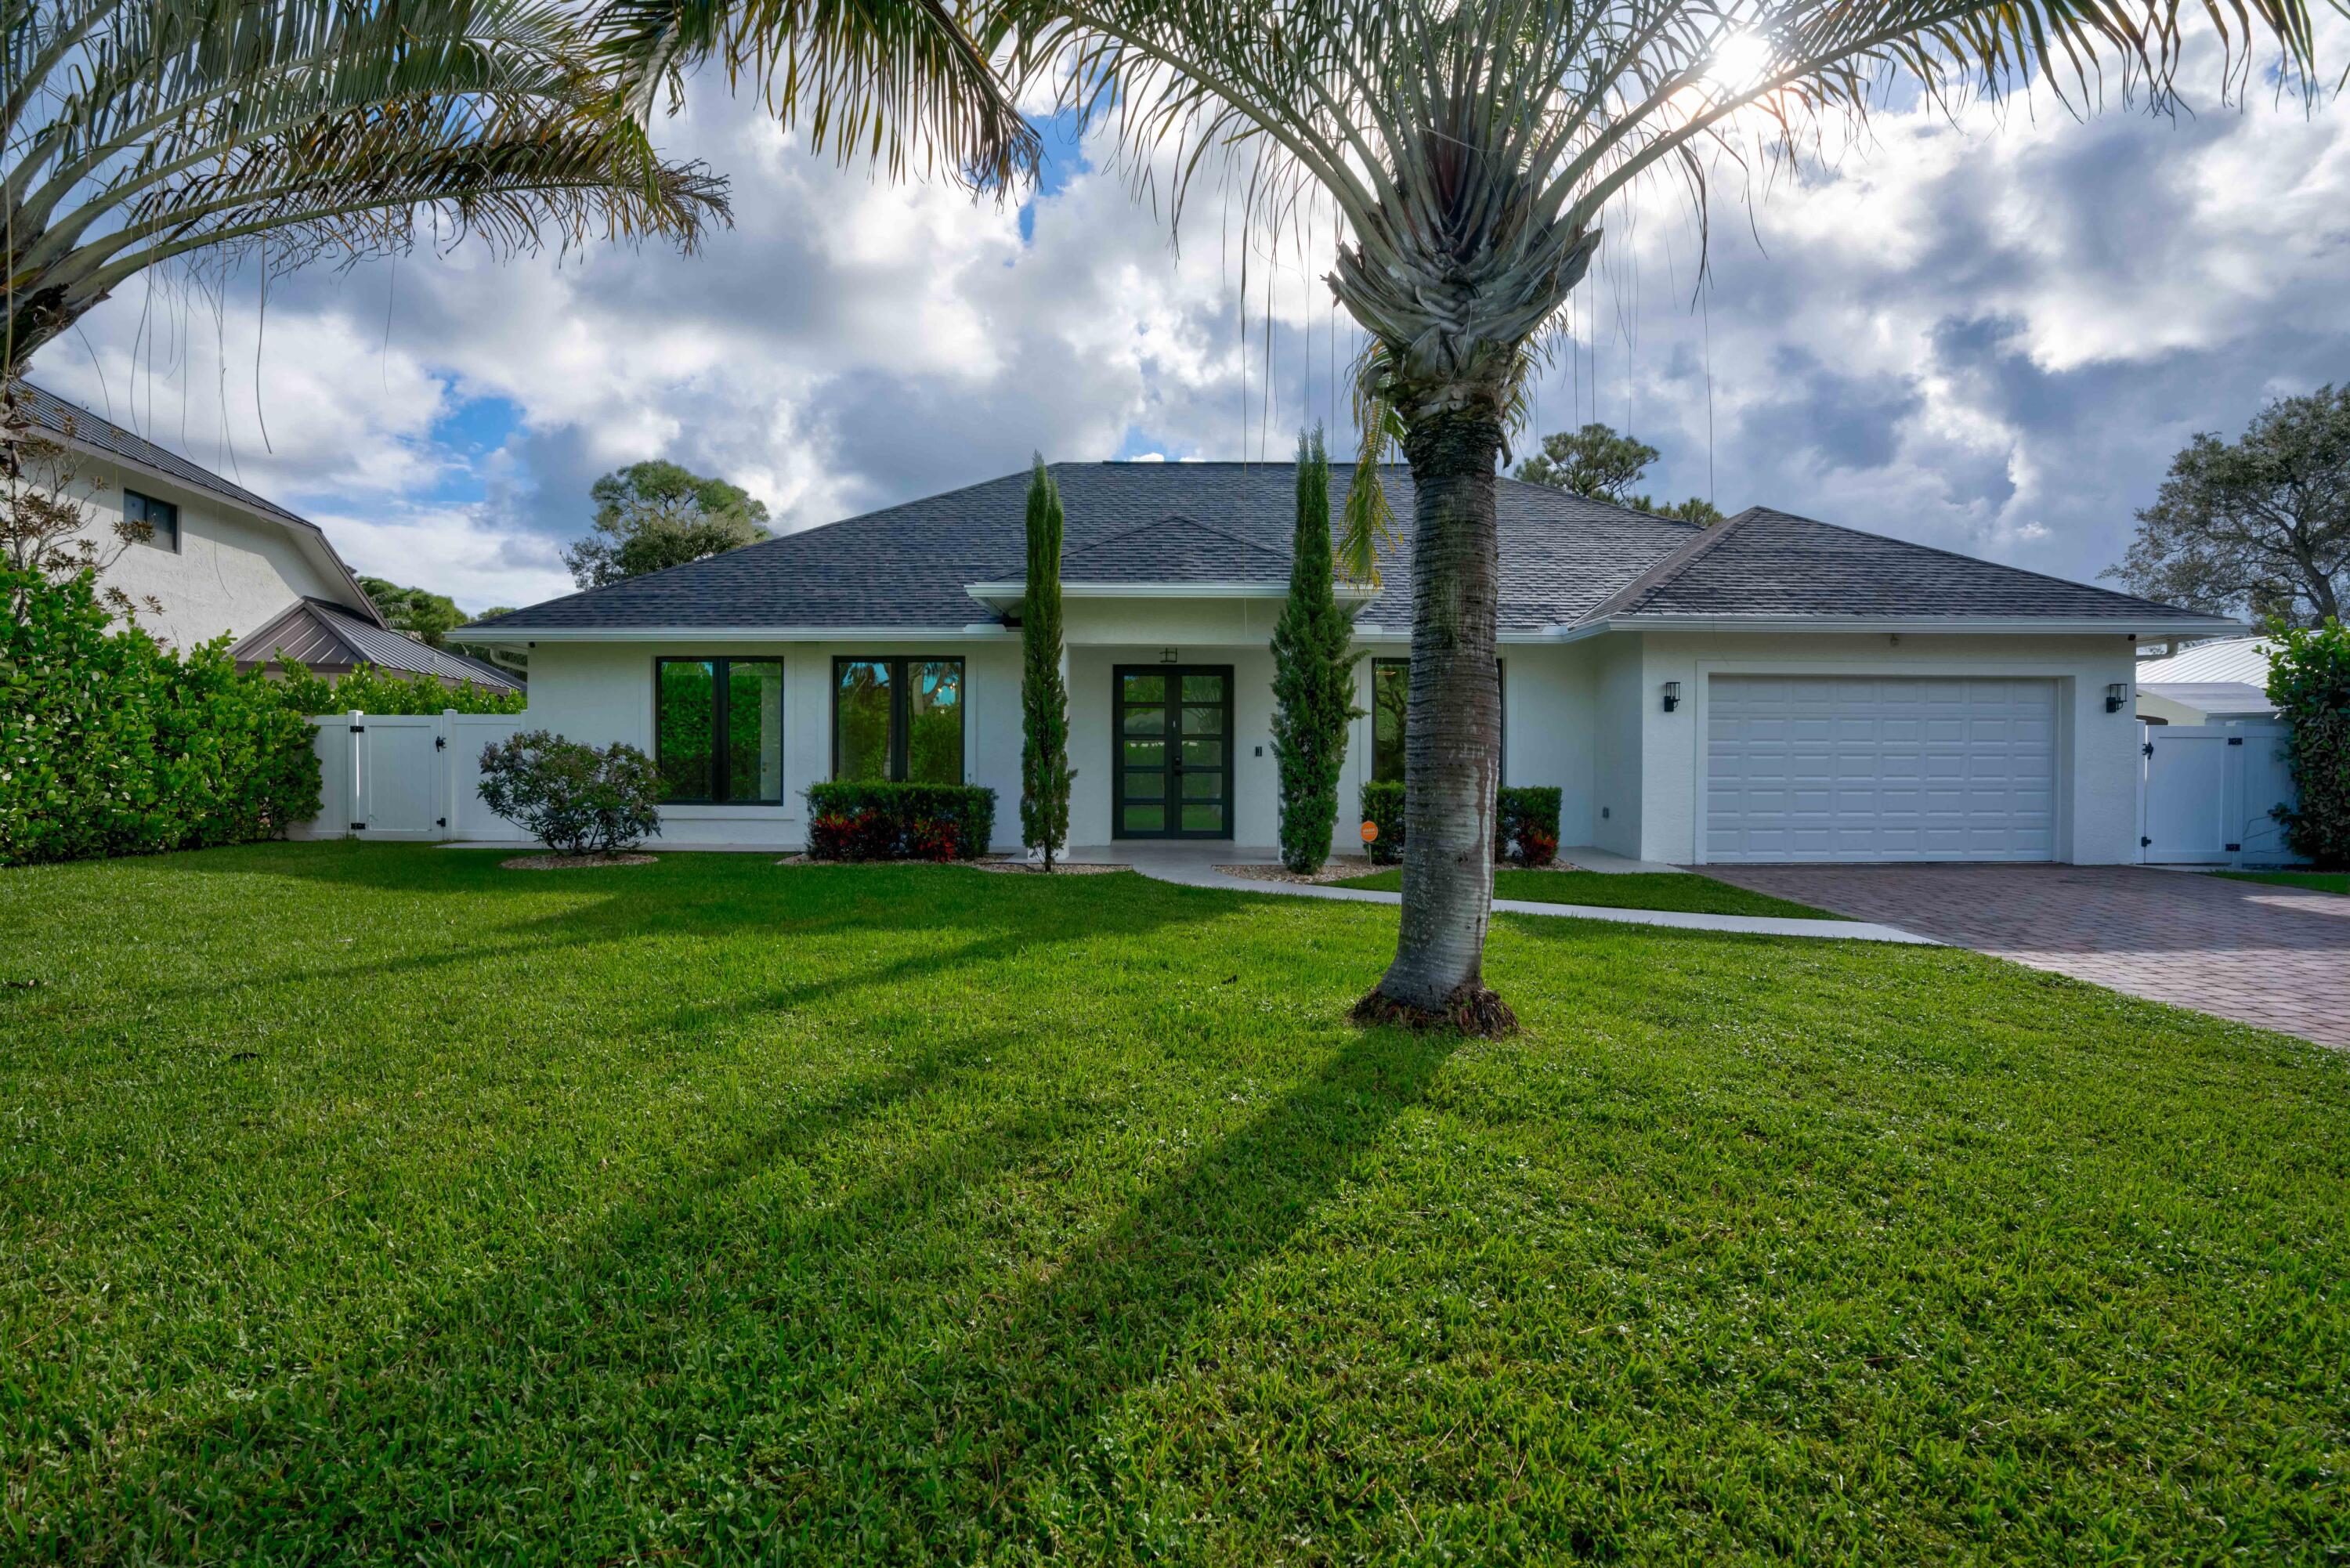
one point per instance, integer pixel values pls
(440, 742)
(440, 822)
(2235, 740)
(2146, 843)
(358, 729)
(2147, 749)
(2232, 848)
(358, 827)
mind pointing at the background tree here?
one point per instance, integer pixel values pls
(1469, 150)
(2309, 682)
(656, 514)
(1594, 461)
(2257, 525)
(138, 132)
(1597, 463)
(1045, 772)
(1313, 674)
(420, 612)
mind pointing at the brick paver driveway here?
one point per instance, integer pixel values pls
(2272, 956)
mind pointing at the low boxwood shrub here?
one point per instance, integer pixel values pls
(2309, 682)
(1525, 823)
(575, 799)
(111, 743)
(851, 820)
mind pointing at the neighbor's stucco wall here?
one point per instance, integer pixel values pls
(232, 573)
(2096, 751)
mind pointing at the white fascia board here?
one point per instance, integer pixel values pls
(1966, 626)
(516, 634)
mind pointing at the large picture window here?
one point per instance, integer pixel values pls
(1390, 699)
(718, 730)
(898, 719)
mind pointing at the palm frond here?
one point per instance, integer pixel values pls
(902, 83)
(136, 133)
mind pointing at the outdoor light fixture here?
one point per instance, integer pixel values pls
(2116, 695)
(1672, 695)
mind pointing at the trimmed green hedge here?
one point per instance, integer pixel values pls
(861, 820)
(1525, 823)
(2309, 682)
(372, 690)
(111, 743)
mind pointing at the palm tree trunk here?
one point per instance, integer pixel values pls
(1452, 730)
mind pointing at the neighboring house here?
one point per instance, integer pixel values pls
(2215, 682)
(1769, 689)
(223, 560)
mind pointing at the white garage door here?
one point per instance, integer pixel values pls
(1862, 768)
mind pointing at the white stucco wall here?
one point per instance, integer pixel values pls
(2096, 751)
(232, 573)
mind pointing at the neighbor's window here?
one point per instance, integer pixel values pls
(718, 730)
(898, 719)
(1390, 692)
(161, 517)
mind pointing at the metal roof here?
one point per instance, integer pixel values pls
(328, 638)
(2239, 658)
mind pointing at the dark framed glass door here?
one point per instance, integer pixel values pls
(1172, 773)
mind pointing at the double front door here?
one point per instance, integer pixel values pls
(1173, 771)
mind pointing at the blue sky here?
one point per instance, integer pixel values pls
(1988, 334)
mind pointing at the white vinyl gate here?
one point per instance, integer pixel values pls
(406, 776)
(1868, 768)
(2207, 794)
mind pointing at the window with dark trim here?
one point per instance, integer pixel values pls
(1391, 698)
(898, 719)
(162, 518)
(718, 730)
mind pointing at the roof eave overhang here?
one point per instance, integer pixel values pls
(516, 636)
(1966, 626)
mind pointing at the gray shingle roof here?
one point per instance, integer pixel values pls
(1225, 522)
(54, 414)
(328, 638)
(1767, 563)
(1564, 559)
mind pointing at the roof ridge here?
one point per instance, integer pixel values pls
(1668, 567)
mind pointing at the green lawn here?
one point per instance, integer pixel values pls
(2314, 881)
(369, 1201)
(1679, 890)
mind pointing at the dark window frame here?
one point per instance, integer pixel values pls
(1174, 799)
(720, 720)
(901, 706)
(1500, 692)
(148, 504)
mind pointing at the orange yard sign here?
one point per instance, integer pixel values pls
(1370, 831)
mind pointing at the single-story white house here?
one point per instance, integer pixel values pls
(1769, 689)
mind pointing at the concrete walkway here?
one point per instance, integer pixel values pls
(1194, 865)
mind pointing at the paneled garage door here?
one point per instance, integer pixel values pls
(1862, 768)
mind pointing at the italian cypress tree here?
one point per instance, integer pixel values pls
(1313, 675)
(1044, 772)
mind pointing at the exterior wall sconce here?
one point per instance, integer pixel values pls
(1672, 695)
(2116, 695)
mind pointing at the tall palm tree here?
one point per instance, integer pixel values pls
(1470, 147)
(136, 131)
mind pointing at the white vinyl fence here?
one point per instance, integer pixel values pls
(406, 776)
(2207, 793)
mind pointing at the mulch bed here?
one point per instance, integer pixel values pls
(572, 862)
(1003, 863)
(1338, 868)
